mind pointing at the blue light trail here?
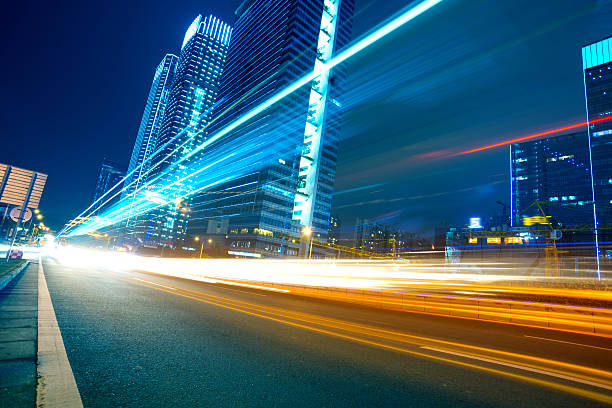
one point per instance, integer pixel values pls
(119, 214)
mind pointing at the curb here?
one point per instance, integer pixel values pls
(7, 279)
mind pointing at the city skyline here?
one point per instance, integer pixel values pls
(304, 203)
(393, 196)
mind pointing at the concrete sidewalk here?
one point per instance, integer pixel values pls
(18, 332)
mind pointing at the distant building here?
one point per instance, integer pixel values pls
(381, 239)
(137, 225)
(276, 193)
(189, 109)
(333, 237)
(108, 177)
(555, 172)
(597, 66)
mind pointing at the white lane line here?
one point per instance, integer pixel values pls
(168, 287)
(156, 284)
(567, 342)
(56, 385)
(244, 291)
(522, 367)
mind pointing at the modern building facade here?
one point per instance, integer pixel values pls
(184, 126)
(108, 177)
(287, 153)
(555, 172)
(137, 225)
(597, 66)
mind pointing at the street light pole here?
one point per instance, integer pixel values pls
(310, 250)
(307, 231)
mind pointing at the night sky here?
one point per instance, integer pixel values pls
(466, 74)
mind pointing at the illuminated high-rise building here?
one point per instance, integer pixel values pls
(555, 172)
(138, 225)
(189, 108)
(597, 66)
(289, 185)
(108, 177)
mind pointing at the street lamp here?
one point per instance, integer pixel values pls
(201, 246)
(307, 231)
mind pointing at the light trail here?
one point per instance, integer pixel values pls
(536, 135)
(418, 288)
(416, 345)
(350, 51)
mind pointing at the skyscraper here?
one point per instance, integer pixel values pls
(108, 177)
(556, 172)
(137, 225)
(189, 108)
(597, 66)
(284, 158)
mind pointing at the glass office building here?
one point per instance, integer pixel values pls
(108, 177)
(189, 108)
(137, 225)
(554, 171)
(597, 66)
(286, 155)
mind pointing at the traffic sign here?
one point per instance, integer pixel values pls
(16, 212)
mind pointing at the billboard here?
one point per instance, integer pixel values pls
(19, 185)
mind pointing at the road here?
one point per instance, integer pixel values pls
(136, 339)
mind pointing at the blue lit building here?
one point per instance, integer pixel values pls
(556, 172)
(137, 225)
(597, 66)
(108, 177)
(289, 151)
(189, 108)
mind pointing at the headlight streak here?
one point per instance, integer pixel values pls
(353, 274)
(350, 51)
(399, 341)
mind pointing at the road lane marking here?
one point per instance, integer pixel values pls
(394, 335)
(521, 367)
(242, 291)
(567, 342)
(560, 387)
(153, 283)
(179, 288)
(56, 385)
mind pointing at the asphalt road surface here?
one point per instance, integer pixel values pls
(141, 340)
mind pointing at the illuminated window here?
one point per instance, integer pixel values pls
(513, 240)
(264, 232)
(473, 240)
(493, 240)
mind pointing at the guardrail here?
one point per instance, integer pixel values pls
(560, 317)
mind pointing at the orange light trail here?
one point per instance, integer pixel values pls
(416, 345)
(536, 135)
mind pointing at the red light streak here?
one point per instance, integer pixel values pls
(536, 135)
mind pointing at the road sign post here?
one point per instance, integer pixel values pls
(21, 214)
(23, 189)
